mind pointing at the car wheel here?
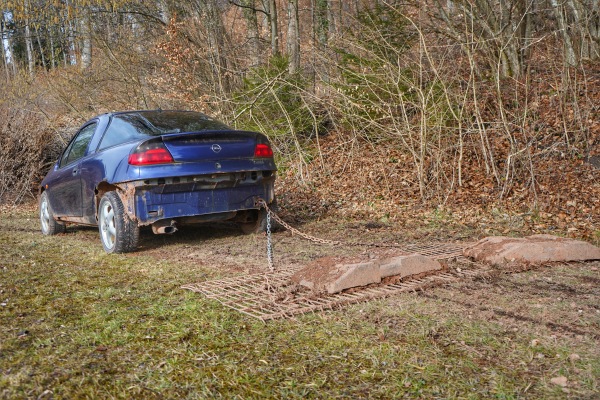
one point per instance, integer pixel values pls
(257, 223)
(49, 225)
(118, 233)
(258, 220)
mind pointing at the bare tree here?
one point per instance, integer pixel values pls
(293, 37)
(322, 15)
(28, 40)
(253, 34)
(86, 38)
(274, 27)
(569, 51)
(502, 30)
(4, 39)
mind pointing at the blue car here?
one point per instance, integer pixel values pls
(125, 170)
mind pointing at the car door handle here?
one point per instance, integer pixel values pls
(75, 171)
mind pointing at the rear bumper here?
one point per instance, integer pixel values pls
(149, 201)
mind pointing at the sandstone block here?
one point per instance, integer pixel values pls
(403, 266)
(353, 275)
(334, 275)
(536, 249)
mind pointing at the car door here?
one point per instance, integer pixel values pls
(65, 190)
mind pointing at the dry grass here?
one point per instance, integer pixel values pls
(77, 323)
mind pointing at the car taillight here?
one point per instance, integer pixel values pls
(150, 154)
(263, 150)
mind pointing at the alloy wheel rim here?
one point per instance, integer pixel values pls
(108, 229)
(45, 215)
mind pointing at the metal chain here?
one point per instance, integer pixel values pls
(273, 216)
(269, 240)
(295, 231)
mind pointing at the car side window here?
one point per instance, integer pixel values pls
(79, 145)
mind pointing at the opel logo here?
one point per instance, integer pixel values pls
(216, 148)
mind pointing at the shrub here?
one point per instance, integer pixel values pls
(28, 147)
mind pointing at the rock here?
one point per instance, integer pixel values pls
(334, 275)
(403, 266)
(536, 249)
(560, 381)
(354, 275)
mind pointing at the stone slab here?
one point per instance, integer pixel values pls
(408, 265)
(536, 249)
(334, 275)
(354, 275)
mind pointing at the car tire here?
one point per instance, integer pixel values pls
(49, 225)
(118, 233)
(258, 223)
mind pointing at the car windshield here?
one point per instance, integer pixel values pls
(156, 123)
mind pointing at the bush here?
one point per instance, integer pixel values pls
(28, 147)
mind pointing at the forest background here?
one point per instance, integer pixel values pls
(378, 109)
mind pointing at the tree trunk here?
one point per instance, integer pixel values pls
(70, 54)
(586, 19)
(594, 28)
(5, 46)
(293, 37)
(331, 23)
(274, 28)
(253, 34)
(52, 55)
(510, 39)
(569, 51)
(39, 42)
(526, 31)
(216, 39)
(28, 41)
(322, 22)
(86, 39)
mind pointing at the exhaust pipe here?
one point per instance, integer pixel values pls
(164, 227)
(164, 230)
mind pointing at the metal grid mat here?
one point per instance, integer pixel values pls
(271, 295)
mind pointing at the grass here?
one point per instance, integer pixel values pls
(77, 323)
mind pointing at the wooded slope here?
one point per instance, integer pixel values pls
(375, 108)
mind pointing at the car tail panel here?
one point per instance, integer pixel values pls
(207, 146)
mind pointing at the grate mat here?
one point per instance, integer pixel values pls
(270, 295)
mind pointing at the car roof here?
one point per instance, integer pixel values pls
(113, 113)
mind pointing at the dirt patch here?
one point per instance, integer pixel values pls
(547, 300)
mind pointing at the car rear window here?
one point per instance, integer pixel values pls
(140, 125)
(175, 122)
